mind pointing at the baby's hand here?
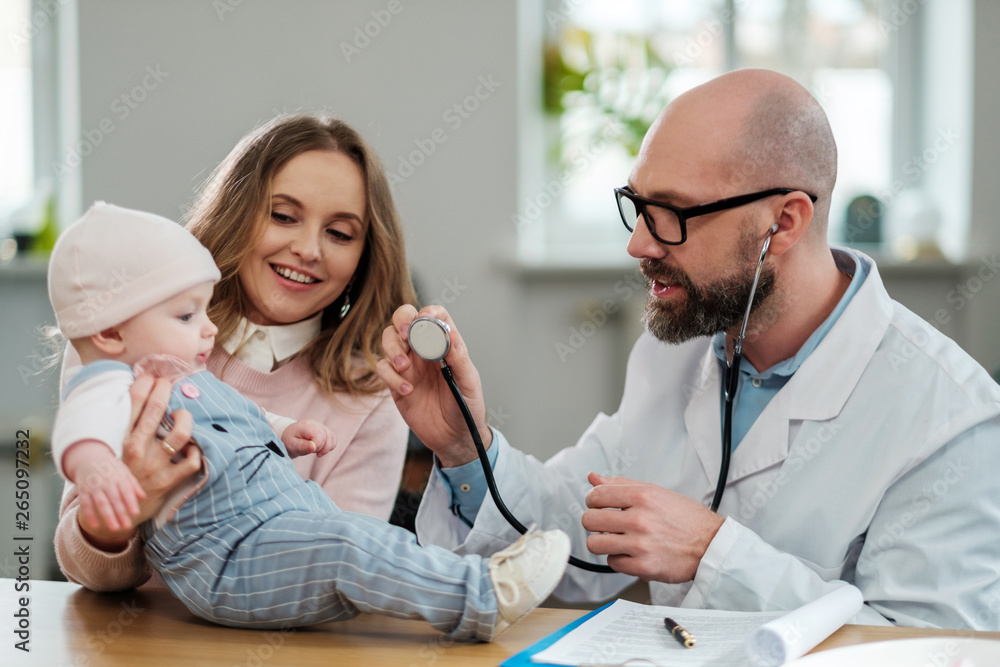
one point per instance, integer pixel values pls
(109, 493)
(308, 437)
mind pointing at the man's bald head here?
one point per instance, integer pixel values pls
(760, 130)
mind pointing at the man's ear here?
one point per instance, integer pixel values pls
(793, 215)
(109, 341)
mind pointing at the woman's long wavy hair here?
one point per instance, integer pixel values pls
(234, 206)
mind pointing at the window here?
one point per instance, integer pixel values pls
(609, 66)
(16, 163)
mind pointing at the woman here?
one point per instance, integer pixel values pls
(300, 221)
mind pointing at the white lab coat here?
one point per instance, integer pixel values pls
(877, 464)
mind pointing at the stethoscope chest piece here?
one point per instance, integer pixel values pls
(429, 338)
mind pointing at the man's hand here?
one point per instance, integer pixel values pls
(308, 437)
(647, 531)
(422, 395)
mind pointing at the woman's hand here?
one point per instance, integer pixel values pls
(109, 494)
(151, 462)
(422, 395)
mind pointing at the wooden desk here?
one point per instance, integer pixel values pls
(72, 626)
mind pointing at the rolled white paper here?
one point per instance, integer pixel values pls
(797, 632)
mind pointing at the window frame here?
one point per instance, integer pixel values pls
(550, 239)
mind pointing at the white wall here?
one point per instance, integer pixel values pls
(223, 74)
(984, 238)
(226, 73)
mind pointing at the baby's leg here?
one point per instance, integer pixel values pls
(303, 568)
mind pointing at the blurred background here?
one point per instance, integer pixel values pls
(504, 127)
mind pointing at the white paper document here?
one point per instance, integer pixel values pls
(628, 633)
(797, 632)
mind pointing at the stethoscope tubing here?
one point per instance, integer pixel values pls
(491, 483)
(731, 384)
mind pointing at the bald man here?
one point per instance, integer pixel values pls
(864, 443)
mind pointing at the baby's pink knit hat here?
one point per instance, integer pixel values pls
(114, 263)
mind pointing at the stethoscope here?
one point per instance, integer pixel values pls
(732, 380)
(430, 340)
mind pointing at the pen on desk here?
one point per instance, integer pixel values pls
(683, 637)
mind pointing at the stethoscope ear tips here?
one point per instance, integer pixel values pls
(774, 228)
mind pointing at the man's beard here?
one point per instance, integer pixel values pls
(707, 310)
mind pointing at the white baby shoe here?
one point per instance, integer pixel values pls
(525, 573)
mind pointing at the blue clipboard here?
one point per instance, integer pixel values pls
(523, 659)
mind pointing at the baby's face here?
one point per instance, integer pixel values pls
(178, 326)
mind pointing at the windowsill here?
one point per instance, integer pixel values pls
(30, 267)
(595, 263)
(583, 263)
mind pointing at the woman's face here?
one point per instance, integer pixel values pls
(312, 242)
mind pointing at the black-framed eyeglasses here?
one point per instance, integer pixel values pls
(668, 223)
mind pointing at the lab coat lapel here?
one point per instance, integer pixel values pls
(703, 419)
(821, 386)
(765, 444)
(818, 390)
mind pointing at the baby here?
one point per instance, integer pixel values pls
(250, 544)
